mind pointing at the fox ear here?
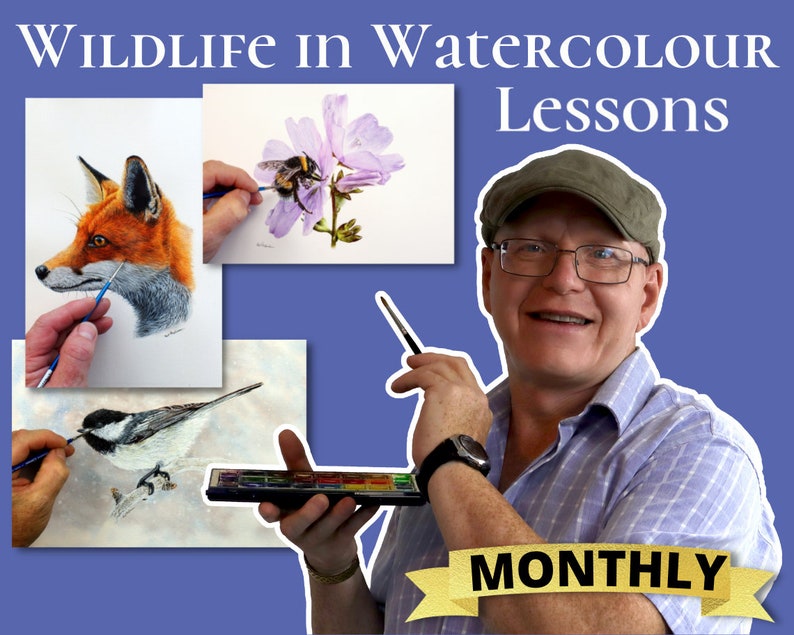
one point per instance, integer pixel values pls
(141, 194)
(99, 186)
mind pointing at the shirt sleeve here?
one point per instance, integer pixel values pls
(701, 492)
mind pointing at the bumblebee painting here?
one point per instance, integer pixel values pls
(292, 174)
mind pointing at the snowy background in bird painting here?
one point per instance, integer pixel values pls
(238, 431)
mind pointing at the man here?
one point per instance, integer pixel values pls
(585, 443)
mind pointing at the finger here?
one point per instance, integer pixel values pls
(430, 369)
(335, 520)
(99, 317)
(52, 474)
(337, 527)
(223, 217)
(27, 442)
(76, 355)
(218, 174)
(360, 518)
(295, 522)
(227, 212)
(103, 324)
(269, 512)
(421, 377)
(293, 451)
(101, 308)
(47, 329)
(294, 525)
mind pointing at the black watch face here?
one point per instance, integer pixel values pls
(472, 447)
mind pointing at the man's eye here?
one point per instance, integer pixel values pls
(602, 253)
(530, 248)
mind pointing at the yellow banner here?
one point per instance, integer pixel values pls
(568, 568)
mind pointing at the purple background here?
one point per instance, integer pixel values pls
(722, 329)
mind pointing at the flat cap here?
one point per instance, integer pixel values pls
(632, 204)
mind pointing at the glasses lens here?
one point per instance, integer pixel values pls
(528, 257)
(602, 263)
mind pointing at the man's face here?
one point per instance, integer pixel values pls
(560, 331)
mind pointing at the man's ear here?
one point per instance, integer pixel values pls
(486, 260)
(652, 289)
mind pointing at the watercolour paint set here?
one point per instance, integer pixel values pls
(291, 488)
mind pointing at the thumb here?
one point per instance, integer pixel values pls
(52, 474)
(229, 211)
(223, 217)
(293, 451)
(76, 355)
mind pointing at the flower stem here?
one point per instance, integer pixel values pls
(334, 214)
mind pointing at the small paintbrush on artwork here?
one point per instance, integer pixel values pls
(99, 296)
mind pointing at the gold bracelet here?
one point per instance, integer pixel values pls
(332, 579)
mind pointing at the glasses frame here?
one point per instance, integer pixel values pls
(634, 259)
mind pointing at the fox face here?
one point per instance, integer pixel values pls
(135, 224)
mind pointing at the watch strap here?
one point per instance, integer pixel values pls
(444, 452)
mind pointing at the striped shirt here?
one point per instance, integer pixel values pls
(645, 462)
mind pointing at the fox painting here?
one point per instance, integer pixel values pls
(133, 223)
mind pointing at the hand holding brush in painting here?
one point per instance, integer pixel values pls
(33, 492)
(63, 331)
(239, 193)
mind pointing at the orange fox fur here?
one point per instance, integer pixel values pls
(135, 224)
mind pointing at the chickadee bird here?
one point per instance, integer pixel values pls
(140, 440)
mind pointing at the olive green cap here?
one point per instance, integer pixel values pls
(635, 208)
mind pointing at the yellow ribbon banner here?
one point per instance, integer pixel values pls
(580, 567)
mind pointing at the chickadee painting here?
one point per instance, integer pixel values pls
(151, 439)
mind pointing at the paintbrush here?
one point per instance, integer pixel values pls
(224, 192)
(100, 295)
(406, 335)
(40, 455)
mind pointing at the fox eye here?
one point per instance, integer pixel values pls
(98, 241)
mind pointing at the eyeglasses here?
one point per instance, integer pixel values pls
(594, 263)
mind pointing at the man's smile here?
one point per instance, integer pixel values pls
(564, 318)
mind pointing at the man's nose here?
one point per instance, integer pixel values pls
(563, 275)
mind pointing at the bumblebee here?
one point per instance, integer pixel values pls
(291, 175)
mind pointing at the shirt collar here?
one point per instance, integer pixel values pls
(627, 389)
(622, 394)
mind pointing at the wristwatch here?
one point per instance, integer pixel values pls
(458, 448)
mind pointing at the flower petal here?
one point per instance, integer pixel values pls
(313, 200)
(282, 217)
(335, 118)
(358, 179)
(305, 137)
(364, 133)
(391, 162)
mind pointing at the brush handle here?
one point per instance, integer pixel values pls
(39, 456)
(48, 374)
(401, 327)
(224, 192)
